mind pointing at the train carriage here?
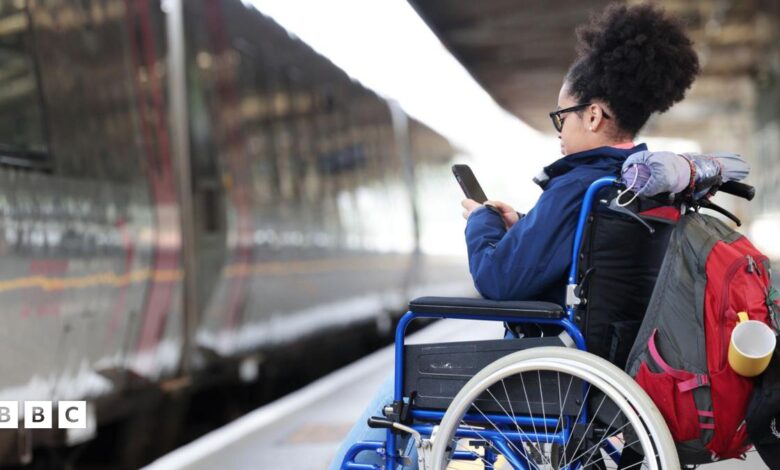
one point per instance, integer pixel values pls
(126, 283)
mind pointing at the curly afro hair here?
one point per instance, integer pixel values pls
(636, 59)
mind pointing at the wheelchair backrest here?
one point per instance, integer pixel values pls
(619, 261)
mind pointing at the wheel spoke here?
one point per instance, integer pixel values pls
(574, 423)
(509, 401)
(467, 449)
(508, 441)
(544, 415)
(596, 446)
(516, 424)
(632, 465)
(592, 420)
(511, 409)
(527, 401)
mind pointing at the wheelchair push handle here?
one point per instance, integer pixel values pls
(376, 422)
(738, 189)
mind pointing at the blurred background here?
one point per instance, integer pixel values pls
(197, 197)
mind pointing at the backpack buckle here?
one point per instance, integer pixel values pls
(698, 380)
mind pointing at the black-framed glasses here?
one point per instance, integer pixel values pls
(557, 120)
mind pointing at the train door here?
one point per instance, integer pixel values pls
(208, 182)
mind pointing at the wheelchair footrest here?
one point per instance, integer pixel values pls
(435, 373)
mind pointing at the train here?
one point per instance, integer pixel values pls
(196, 209)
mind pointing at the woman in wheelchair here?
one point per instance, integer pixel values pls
(564, 412)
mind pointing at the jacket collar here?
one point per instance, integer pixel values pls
(605, 158)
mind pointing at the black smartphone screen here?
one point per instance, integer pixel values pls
(468, 182)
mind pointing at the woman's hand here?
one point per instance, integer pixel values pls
(508, 214)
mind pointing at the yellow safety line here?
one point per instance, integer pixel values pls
(92, 280)
(173, 275)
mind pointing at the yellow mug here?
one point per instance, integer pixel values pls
(751, 346)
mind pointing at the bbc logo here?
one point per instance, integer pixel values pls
(38, 414)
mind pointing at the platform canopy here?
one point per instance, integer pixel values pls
(519, 51)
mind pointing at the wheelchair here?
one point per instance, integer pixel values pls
(536, 401)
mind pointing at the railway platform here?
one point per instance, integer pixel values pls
(303, 430)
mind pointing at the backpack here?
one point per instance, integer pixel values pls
(709, 273)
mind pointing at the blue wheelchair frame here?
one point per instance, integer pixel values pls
(499, 439)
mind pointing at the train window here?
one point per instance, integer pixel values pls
(22, 133)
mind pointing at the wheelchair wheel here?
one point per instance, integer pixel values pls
(551, 408)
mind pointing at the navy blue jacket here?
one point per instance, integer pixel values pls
(531, 260)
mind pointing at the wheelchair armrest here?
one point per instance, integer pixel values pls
(469, 306)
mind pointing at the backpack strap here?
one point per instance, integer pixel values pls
(706, 415)
(688, 380)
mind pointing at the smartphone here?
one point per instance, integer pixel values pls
(468, 182)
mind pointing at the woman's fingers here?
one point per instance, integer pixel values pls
(508, 213)
(469, 205)
(502, 206)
